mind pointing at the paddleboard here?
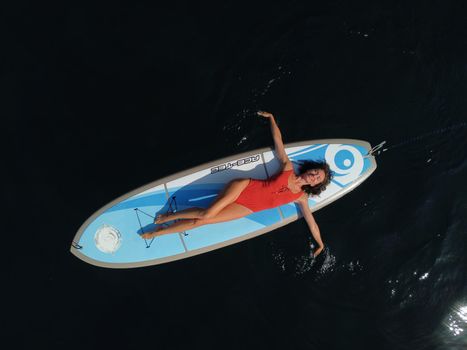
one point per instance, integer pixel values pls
(111, 236)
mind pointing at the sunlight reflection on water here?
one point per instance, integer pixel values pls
(457, 320)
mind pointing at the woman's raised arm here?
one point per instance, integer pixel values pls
(277, 137)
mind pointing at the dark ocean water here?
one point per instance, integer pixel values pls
(99, 100)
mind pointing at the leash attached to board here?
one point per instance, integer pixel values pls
(375, 151)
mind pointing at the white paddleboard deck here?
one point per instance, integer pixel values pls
(111, 236)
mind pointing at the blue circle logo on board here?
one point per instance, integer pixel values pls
(346, 161)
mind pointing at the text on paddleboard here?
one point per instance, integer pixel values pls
(239, 162)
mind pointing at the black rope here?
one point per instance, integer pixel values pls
(76, 245)
(174, 201)
(172, 208)
(427, 134)
(141, 226)
(144, 213)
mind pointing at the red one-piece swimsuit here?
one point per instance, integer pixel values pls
(265, 194)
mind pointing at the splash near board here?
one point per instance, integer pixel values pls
(111, 236)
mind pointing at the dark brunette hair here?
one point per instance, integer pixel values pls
(306, 165)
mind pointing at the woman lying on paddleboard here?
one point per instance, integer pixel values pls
(241, 197)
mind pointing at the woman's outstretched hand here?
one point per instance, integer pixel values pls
(147, 235)
(320, 248)
(265, 114)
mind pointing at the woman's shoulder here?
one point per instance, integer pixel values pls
(285, 173)
(302, 197)
(287, 166)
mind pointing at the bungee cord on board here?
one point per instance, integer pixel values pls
(172, 209)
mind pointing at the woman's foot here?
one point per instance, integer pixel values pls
(150, 235)
(161, 218)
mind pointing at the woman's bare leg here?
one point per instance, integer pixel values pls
(230, 212)
(189, 213)
(228, 194)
